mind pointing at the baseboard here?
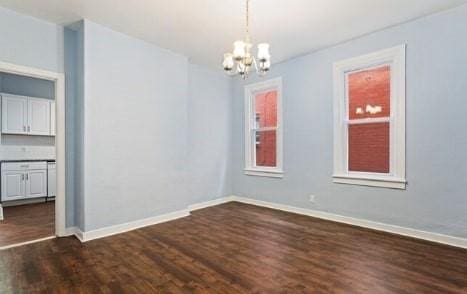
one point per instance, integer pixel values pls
(418, 234)
(79, 235)
(117, 229)
(1, 212)
(210, 203)
(26, 243)
(74, 231)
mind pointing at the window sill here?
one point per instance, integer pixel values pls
(371, 181)
(265, 173)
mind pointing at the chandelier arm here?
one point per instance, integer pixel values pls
(256, 65)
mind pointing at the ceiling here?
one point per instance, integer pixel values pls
(204, 29)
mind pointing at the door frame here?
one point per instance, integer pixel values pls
(59, 83)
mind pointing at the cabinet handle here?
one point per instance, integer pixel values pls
(24, 128)
(27, 177)
(22, 177)
(29, 128)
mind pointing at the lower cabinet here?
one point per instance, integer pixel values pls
(36, 183)
(22, 180)
(13, 185)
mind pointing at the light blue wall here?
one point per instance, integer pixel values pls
(435, 199)
(79, 127)
(70, 67)
(141, 113)
(31, 42)
(209, 127)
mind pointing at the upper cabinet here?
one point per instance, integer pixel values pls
(38, 117)
(27, 115)
(14, 115)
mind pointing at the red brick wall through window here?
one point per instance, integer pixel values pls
(266, 116)
(369, 147)
(369, 93)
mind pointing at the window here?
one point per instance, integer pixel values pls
(263, 129)
(369, 120)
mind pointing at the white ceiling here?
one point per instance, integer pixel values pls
(205, 29)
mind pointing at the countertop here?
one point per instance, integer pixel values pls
(26, 160)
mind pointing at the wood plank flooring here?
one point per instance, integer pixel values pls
(27, 222)
(237, 248)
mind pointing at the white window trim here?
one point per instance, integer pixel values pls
(250, 93)
(395, 57)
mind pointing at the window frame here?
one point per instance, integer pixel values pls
(250, 129)
(395, 58)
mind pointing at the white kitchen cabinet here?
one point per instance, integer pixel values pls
(13, 185)
(38, 117)
(36, 183)
(14, 114)
(27, 115)
(23, 180)
(52, 118)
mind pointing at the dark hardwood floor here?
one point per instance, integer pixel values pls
(237, 248)
(27, 222)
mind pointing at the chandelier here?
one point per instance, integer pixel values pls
(241, 61)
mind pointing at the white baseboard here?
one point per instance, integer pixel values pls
(429, 236)
(117, 229)
(1, 212)
(79, 234)
(210, 203)
(27, 242)
(70, 231)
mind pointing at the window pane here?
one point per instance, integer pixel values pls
(369, 93)
(369, 147)
(265, 142)
(266, 109)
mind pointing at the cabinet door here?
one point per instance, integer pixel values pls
(38, 117)
(52, 118)
(36, 183)
(13, 185)
(14, 115)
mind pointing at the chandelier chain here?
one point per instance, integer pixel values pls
(248, 19)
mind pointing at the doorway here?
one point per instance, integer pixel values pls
(32, 155)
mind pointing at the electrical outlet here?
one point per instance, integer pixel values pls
(312, 198)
